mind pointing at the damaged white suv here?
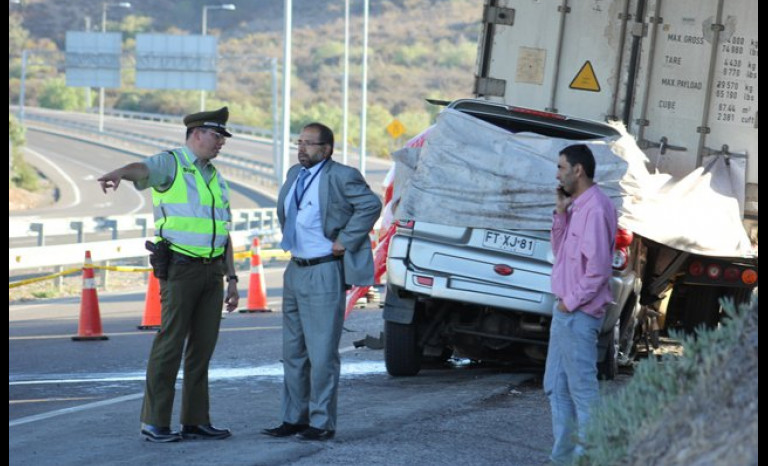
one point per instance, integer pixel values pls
(483, 291)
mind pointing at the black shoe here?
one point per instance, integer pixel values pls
(159, 434)
(313, 433)
(285, 429)
(204, 431)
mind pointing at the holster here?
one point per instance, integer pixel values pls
(160, 257)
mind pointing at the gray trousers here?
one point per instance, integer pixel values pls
(313, 316)
(191, 300)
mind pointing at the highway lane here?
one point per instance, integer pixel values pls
(240, 145)
(75, 160)
(73, 166)
(78, 403)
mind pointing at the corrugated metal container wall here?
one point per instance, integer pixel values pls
(682, 74)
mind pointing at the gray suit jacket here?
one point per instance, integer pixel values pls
(349, 210)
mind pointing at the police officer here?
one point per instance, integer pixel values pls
(192, 215)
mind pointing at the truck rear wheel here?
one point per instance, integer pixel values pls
(402, 355)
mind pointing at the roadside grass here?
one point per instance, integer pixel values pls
(697, 408)
(72, 285)
(22, 174)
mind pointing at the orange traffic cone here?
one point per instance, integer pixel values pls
(151, 319)
(257, 287)
(89, 327)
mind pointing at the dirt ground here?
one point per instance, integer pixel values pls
(21, 199)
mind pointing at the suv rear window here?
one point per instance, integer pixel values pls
(515, 122)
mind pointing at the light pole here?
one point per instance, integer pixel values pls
(286, 145)
(364, 92)
(88, 89)
(226, 6)
(345, 86)
(104, 7)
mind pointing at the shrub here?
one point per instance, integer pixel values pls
(698, 408)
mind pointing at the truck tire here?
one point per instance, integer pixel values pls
(402, 355)
(609, 367)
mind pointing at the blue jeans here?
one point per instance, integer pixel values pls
(570, 379)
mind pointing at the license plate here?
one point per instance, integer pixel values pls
(508, 242)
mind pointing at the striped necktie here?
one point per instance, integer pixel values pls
(289, 229)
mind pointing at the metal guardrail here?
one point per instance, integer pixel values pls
(176, 119)
(68, 254)
(263, 219)
(247, 223)
(254, 167)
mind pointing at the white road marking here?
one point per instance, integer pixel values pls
(351, 369)
(63, 174)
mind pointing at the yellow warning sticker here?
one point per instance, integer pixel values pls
(585, 79)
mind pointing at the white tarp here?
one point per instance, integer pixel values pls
(474, 174)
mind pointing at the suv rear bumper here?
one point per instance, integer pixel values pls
(470, 291)
(403, 285)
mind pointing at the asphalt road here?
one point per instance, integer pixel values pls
(73, 165)
(79, 402)
(75, 158)
(241, 145)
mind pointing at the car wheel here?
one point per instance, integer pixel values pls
(402, 355)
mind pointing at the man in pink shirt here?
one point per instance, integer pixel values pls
(583, 232)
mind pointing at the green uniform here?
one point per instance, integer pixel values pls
(191, 206)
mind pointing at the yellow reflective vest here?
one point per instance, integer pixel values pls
(192, 215)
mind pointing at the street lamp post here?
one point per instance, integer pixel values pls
(88, 89)
(104, 7)
(286, 144)
(364, 92)
(345, 87)
(226, 6)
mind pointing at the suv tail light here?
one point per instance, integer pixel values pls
(620, 259)
(623, 238)
(407, 224)
(620, 252)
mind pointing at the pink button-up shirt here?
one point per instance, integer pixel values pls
(582, 241)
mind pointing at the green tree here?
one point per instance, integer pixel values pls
(16, 132)
(56, 94)
(22, 174)
(412, 55)
(456, 54)
(135, 24)
(415, 121)
(17, 35)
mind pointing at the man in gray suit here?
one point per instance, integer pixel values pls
(326, 211)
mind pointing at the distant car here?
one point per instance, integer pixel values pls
(451, 290)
